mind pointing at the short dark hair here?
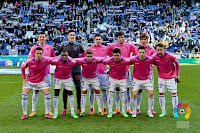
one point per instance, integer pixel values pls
(39, 48)
(116, 50)
(64, 51)
(71, 31)
(98, 35)
(141, 47)
(89, 51)
(119, 34)
(160, 45)
(143, 35)
(42, 33)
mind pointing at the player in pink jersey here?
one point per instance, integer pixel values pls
(90, 77)
(126, 50)
(141, 79)
(117, 77)
(62, 75)
(36, 79)
(49, 52)
(149, 52)
(168, 75)
(99, 51)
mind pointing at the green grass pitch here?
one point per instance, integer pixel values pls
(10, 110)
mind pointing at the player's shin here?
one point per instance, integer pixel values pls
(92, 97)
(98, 97)
(139, 98)
(65, 98)
(34, 100)
(104, 96)
(71, 101)
(110, 101)
(117, 99)
(128, 99)
(162, 102)
(83, 102)
(124, 101)
(47, 98)
(24, 103)
(174, 100)
(150, 100)
(55, 102)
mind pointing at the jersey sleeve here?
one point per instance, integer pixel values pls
(81, 50)
(54, 61)
(60, 49)
(106, 61)
(74, 62)
(52, 52)
(175, 60)
(32, 52)
(109, 51)
(133, 49)
(25, 65)
(49, 60)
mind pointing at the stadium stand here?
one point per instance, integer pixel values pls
(177, 27)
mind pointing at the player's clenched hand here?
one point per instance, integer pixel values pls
(178, 78)
(93, 46)
(24, 81)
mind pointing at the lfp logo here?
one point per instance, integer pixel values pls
(8, 63)
(183, 111)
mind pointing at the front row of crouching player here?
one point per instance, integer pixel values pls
(167, 65)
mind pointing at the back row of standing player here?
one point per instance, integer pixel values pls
(126, 50)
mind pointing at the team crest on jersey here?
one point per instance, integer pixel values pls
(146, 63)
(69, 66)
(48, 49)
(122, 65)
(43, 64)
(103, 50)
(167, 60)
(75, 48)
(95, 63)
(126, 47)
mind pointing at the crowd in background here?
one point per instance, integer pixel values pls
(177, 27)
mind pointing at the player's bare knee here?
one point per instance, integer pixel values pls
(84, 92)
(45, 91)
(140, 91)
(128, 89)
(70, 93)
(117, 89)
(97, 91)
(151, 94)
(56, 92)
(36, 91)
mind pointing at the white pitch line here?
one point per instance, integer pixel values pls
(9, 82)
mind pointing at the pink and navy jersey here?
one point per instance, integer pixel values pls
(141, 67)
(36, 69)
(100, 51)
(63, 69)
(89, 69)
(47, 51)
(125, 49)
(117, 69)
(149, 52)
(165, 65)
